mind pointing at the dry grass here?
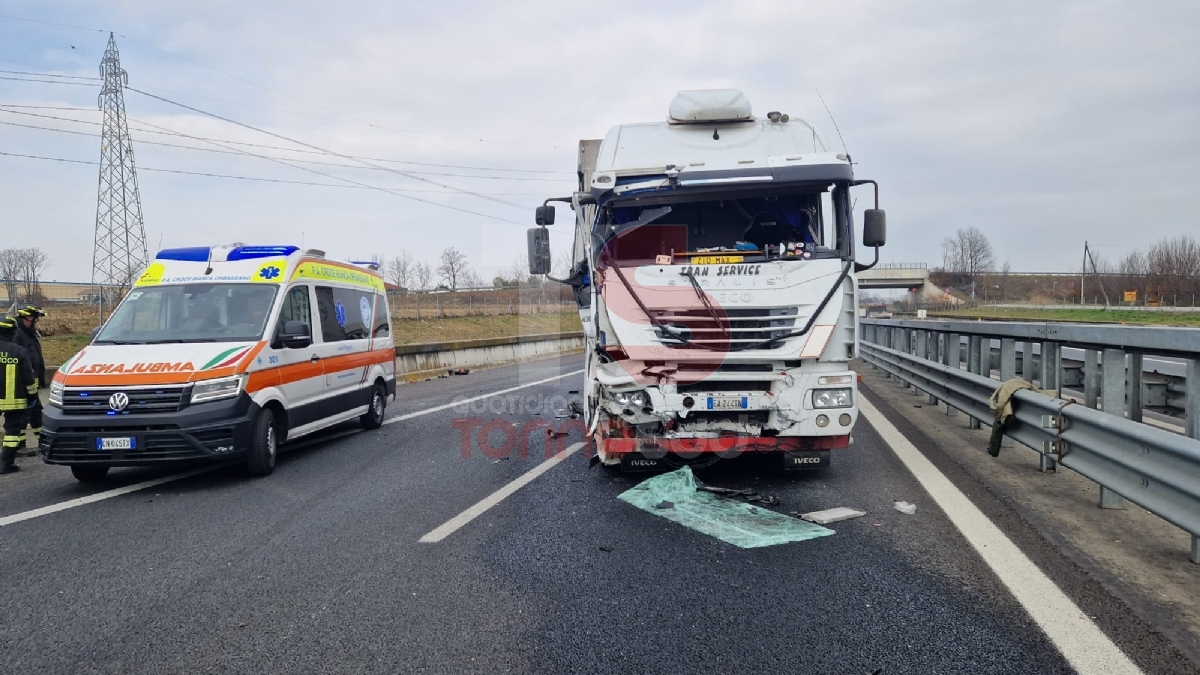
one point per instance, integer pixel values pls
(66, 331)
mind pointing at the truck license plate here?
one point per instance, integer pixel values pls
(727, 403)
(126, 443)
(717, 259)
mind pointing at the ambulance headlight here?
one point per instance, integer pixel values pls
(56, 394)
(832, 398)
(214, 390)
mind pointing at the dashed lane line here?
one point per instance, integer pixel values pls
(452, 525)
(117, 492)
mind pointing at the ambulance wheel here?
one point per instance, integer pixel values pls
(264, 445)
(373, 418)
(89, 474)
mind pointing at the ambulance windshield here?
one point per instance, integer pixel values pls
(190, 313)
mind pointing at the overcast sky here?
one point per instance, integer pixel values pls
(1043, 124)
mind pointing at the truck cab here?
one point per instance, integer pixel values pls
(713, 266)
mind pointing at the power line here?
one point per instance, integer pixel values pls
(22, 72)
(304, 161)
(354, 182)
(230, 176)
(24, 79)
(317, 147)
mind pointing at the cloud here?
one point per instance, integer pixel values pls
(1043, 125)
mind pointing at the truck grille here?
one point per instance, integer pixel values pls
(731, 327)
(83, 401)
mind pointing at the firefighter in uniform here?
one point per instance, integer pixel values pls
(27, 336)
(18, 385)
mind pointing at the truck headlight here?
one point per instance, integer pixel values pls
(56, 394)
(832, 398)
(637, 399)
(213, 390)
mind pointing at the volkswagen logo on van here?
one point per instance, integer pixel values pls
(118, 401)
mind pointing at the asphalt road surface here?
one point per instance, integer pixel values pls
(321, 568)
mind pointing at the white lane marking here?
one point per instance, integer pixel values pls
(408, 416)
(109, 494)
(101, 496)
(1077, 638)
(449, 527)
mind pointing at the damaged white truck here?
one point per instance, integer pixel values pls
(713, 267)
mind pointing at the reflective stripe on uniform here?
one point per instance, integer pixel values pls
(14, 441)
(10, 383)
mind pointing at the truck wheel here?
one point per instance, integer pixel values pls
(264, 445)
(373, 418)
(89, 474)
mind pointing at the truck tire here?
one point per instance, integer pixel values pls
(89, 474)
(373, 418)
(264, 445)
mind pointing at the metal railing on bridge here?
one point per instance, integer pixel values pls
(1152, 467)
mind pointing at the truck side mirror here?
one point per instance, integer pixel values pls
(544, 216)
(539, 246)
(295, 335)
(874, 228)
(95, 332)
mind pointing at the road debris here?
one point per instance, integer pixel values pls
(832, 515)
(747, 495)
(905, 507)
(730, 520)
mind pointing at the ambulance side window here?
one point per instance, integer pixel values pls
(381, 316)
(296, 307)
(331, 329)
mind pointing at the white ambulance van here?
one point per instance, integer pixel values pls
(221, 353)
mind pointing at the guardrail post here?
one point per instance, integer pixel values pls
(1112, 398)
(1050, 366)
(1027, 361)
(922, 350)
(1133, 395)
(906, 339)
(974, 365)
(1008, 359)
(1195, 555)
(1090, 379)
(1191, 403)
(932, 355)
(950, 357)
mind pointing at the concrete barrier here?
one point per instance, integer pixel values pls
(419, 361)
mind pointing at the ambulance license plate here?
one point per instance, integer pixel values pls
(126, 443)
(728, 402)
(717, 259)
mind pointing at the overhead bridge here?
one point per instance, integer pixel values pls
(903, 275)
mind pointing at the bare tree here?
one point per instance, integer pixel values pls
(968, 253)
(562, 264)
(422, 275)
(453, 265)
(34, 262)
(10, 271)
(470, 279)
(400, 270)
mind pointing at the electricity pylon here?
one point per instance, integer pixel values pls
(120, 254)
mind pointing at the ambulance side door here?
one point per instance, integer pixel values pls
(345, 339)
(301, 372)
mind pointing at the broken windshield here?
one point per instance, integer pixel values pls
(812, 222)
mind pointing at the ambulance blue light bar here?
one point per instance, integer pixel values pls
(189, 254)
(251, 252)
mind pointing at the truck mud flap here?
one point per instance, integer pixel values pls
(635, 463)
(800, 460)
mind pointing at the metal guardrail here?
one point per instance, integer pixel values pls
(1153, 468)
